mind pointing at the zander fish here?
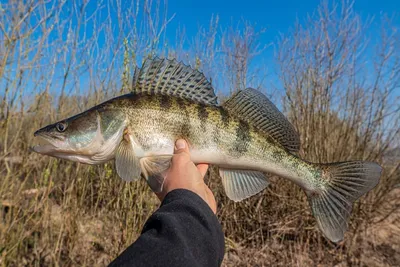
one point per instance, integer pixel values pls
(246, 137)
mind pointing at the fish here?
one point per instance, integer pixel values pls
(246, 136)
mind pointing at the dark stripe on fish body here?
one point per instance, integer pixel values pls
(224, 116)
(182, 106)
(181, 103)
(185, 130)
(165, 102)
(185, 126)
(202, 114)
(242, 137)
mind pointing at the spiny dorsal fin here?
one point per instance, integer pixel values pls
(254, 107)
(169, 77)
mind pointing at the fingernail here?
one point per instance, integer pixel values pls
(180, 144)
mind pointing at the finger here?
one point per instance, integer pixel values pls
(202, 167)
(181, 146)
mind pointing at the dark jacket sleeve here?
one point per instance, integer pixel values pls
(182, 232)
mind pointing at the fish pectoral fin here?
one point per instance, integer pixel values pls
(127, 164)
(241, 184)
(154, 170)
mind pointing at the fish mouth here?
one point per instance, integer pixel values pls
(55, 147)
(45, 145)
(42, 145)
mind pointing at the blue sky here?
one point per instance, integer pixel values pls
(276, 16)
(279, 15)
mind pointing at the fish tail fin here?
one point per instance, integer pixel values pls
(345, 182)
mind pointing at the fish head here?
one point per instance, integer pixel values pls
(90, 137)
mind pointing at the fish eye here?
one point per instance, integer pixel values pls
(61, 127)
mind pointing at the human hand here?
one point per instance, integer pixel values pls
(184, 174)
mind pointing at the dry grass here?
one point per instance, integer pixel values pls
(54, 212)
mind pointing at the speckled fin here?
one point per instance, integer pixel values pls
(254, 107)
(169, 77)
(241, 184)
(126, 163)
(154, 169)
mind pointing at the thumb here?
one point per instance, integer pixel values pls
(181, 146)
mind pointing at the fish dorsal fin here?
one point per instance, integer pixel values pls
(255, 108)
(169, 77)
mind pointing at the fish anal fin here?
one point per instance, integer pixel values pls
(241, 184)
(154, 169)
(255, 108)
(169, 77)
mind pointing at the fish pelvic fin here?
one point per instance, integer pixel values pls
(345, 183)
(154, 169)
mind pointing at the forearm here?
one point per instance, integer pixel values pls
(182, 232)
